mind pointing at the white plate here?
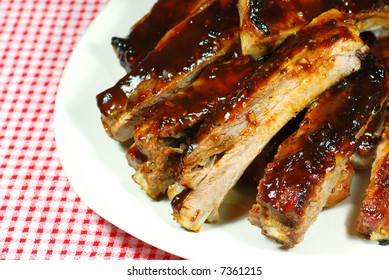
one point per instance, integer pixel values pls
(97, 169)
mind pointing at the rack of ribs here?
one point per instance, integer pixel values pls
(308, 165)
(315, 58)
(176, 60)
(145, 34)
(267, 23)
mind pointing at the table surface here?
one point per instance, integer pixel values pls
(41, 216)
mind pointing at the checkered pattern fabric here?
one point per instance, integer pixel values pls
(41, 216)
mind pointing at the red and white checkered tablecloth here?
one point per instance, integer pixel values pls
(41, 216)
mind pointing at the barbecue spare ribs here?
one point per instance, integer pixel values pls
(148, 31)
(286, 91)
(167, 127)
(178, 57)
(306, 169)
(306, 64)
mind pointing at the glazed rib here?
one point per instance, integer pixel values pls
(267, 23)
(168, 126)
(364, 153)
(373, 220)
(309, 62)
(309, 164)
(342, 184)
(145, 34)
(176, 60)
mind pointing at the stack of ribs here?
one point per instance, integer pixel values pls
(211, 85)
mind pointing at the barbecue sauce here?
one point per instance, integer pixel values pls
(326, 136)
(275, 66)
(136, 156)
(196, 41)
(178, 200)
(191, 105)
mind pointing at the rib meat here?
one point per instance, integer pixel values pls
(177, 59)
(266, 23)
(364, 154)
(309, 62)
(168, 126)
(145, 34)
(373, 220)
(308, 165)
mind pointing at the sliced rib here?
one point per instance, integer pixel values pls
(177, 59)
(364, 154)
(168, 126)
(309, 62)
(267, 23)
(373, 220)
(145, 34)
(309, 164)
